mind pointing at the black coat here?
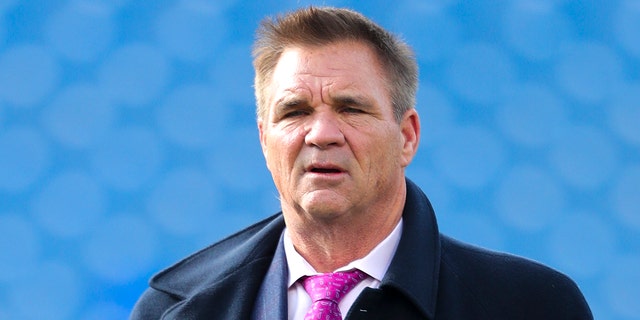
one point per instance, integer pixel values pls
(431, 277)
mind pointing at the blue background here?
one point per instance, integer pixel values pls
(128, 139)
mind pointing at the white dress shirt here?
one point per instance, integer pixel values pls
(374, 264)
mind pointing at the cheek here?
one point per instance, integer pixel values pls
(383, 151)
(283, 149)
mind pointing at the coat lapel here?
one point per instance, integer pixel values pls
(271, 303)
(223, 280)
(230, 298)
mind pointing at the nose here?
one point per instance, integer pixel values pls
(324, 130)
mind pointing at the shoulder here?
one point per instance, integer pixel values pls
(469, 259)
(152, 304)
(255, 242)
(500, 282)
(251, 248)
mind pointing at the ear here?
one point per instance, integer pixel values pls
(262, 135)
(410, 129)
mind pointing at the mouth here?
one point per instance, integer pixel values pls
(324, 169)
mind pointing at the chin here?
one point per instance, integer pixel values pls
(320, 210)
(322, 204)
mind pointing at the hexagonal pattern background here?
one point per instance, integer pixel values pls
(128, 139)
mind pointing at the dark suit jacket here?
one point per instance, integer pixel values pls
(431, 277)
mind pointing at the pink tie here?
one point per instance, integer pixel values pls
(326, 291)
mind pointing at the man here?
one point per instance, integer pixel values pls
(337, 123)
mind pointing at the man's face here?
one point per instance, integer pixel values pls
(329, 136)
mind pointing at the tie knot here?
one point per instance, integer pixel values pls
(332, 286)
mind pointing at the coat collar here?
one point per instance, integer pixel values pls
(220, 261)
(415, 267)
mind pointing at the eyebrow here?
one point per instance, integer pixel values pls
(358, 101)
(288, 103)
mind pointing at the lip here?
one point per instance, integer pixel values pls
(324, 169)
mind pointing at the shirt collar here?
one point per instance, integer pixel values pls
(375, 264)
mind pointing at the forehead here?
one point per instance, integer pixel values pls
(336, 55)
(336, 65)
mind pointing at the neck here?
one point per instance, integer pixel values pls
(329, 245)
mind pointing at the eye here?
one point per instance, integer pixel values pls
(349, 109)
(294, 113)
